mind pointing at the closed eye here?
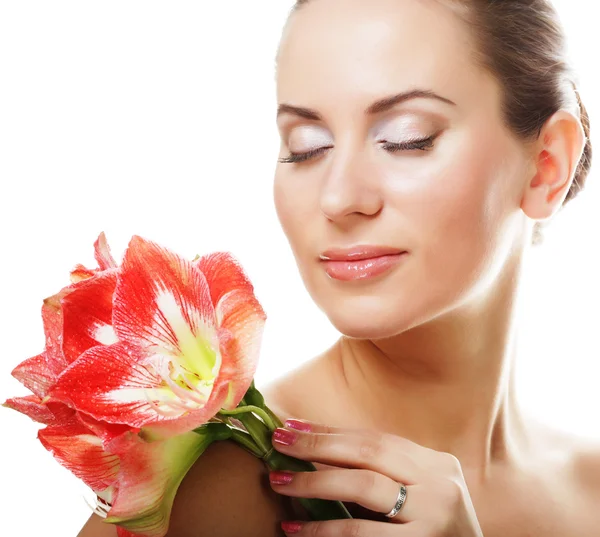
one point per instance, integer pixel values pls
(423, 144)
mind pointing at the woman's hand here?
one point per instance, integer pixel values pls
(372, 467)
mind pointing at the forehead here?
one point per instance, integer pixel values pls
(358, 48)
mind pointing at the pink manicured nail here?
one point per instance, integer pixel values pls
(281, 478)
(291, 527)
(283, 436)
(298, 425)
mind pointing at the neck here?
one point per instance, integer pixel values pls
(447, 384)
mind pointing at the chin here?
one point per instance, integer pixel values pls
(362, 330)
(367, 317)
(386, 314)
(389, 307)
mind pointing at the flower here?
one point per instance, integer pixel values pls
(135, 479)
(183, 342)
(145, 365)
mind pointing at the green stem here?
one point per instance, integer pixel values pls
(245, 440)
(217, 431)
(255, 398)
(273, 417)
(258, 430)
(250, 408)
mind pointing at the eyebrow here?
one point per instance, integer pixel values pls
(377, 107)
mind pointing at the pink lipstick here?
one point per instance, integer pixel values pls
(361, 262)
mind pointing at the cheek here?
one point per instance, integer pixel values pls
(460, 208)
(461, 219)
(294, 205)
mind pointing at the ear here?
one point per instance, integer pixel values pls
(556, 155)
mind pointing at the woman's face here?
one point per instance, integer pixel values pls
(454, 206)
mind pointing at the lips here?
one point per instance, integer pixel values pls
(362, 269)
(357, 253)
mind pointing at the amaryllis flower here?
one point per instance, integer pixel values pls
(145, 365)
(135, 480)
(183, 343)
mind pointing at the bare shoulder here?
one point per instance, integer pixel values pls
(580, 456)
(286, 395)
(95, 527)
(225, 493)
(584, 476)
(587, 463)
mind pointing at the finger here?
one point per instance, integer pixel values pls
(370, 451)
(358, 528)
(373, 491)
(429, 457)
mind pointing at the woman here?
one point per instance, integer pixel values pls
(432, 137)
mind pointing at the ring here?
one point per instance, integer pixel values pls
(399, 502)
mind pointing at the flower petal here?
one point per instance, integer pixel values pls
(224, 274)
(102, 253)
(122, 532)
(150, 474)
(238, 311)
(60, 411)
(52, 318)
(120, 384)
(81, 452)
(32, 406)
(102, 429)
(162, 302)
(103, 257)
(244, 319)
(111, 383)
(35, 374)
(87, 315)
(79, 272)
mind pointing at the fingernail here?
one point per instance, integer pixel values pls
(281, 478)
(283, 436)
(291, 527)
(298, 425)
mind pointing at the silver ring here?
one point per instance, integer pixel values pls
(399, 502)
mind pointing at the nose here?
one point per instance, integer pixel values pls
(351, 186)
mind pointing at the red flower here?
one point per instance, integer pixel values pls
(183, 343)
(159, 343)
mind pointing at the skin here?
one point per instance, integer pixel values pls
(434, 339)
(428, 349)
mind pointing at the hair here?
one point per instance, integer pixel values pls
(523, 45)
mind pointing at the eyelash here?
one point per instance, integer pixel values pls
(423, 144)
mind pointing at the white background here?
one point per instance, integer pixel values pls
(158, 119)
